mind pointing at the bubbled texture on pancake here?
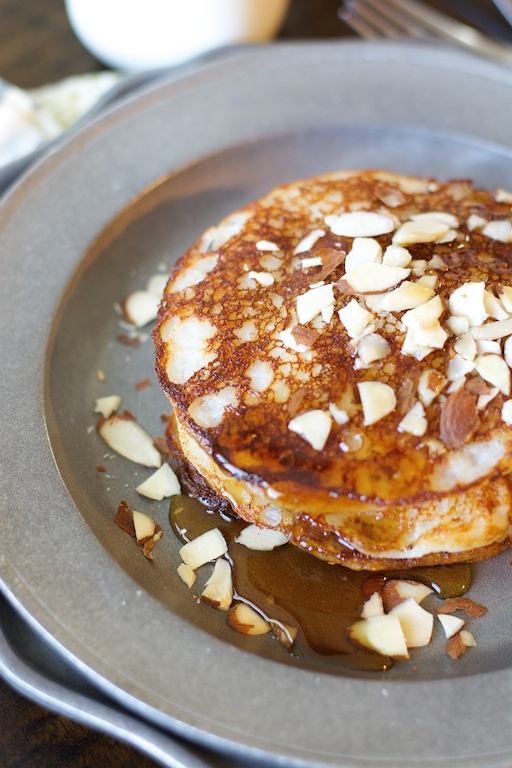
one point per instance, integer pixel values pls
(250, 337)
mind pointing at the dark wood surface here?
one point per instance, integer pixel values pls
(37, 46)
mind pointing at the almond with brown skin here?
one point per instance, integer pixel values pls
(245, 620)
(284, 634)
(455, 647)
(331, 259)
(295, 400)
(465, 604)
(459, 419)
(124, 518)
(405, 397)
(304, 336)
(373, 584)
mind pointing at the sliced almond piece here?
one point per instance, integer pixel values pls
(375, 279)
(313, 261)
(396, 256)
(423, 323)
(442, 216)
(218, 590)
(494, 307)
(284, 633)
(244, 619)
(490, 347)
(186, 574)
(455, 647)
(263, 278)
(457, 324)
(149, 545)
(466, 346)
(421, 231)
(377, 399)
(144, 526)
(507, 351)
(424, 315)
(204, 548)
(468, 301)
(395, 591)
(311, 303)
(412, 348)
(365, 250)
(459, 367)
(373, 606)
(417, 623)
(451, 624)
(462, 603)
(355, 318)
(309, 241)
(459, 419)
(484, 400)
(408, 295)
(475, 222)
(161, 485)
(124, 518)
(107, 405)
(382, 634)
(140, 308)
(304, 337)
(505, 296)
(372, 347)
(360, 224)
(506, 412)
(498, 230)
(491, 331)
(266, 245)
(313, 426)
(331, 259)
(261, 539)
(124, 436)
(431, 383)
(467, 638)
(340, 415)
(415, 421)
(495, 370)
(503, 196)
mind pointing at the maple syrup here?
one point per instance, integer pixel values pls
(301, 591)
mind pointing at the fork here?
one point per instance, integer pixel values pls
(373, 19)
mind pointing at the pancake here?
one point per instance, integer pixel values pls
(337, 355)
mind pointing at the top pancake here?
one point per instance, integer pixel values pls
(309, 358)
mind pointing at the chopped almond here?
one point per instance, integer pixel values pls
(459, 419)
(304, 336)
(455, 647)
(465, 604)
(124, 518)
(331, 259)
(285, 634)
(244, 619)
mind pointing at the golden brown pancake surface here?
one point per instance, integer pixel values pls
(336, 355)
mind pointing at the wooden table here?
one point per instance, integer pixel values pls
(37, 46)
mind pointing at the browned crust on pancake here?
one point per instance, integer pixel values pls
(252, 440)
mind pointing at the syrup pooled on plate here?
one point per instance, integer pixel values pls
(301, 591)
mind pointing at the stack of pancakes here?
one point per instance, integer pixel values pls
(337, 358)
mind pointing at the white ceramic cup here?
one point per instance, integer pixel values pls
(138, 35)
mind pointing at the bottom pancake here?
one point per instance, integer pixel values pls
(466, 526)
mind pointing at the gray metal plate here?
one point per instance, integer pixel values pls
(90, 223)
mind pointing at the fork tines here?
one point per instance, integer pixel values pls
(394, 19)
